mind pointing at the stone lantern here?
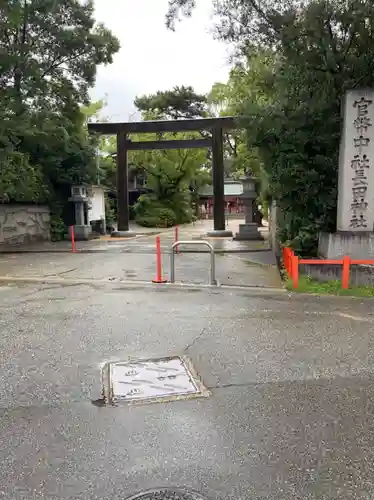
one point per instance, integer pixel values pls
(80, 198)
(248, 230)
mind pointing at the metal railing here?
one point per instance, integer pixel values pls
(212, 275)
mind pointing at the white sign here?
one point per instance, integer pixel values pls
(356, 169)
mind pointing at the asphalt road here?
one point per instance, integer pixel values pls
(244, 263)
(290, 414)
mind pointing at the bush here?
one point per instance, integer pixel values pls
(58, 228)
(151, 213)
(159, 217)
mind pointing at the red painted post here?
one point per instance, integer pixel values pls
(176, 238)
(295, 271)
(285, 259)
(346, 272)
(72, 235)
(159, 278)
(288, 261)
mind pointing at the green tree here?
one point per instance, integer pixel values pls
(180, 102)
(318, 50)
(50, 52)
(173, 178)
(48, 59)
(245, 83)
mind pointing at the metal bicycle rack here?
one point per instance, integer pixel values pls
(212, 275)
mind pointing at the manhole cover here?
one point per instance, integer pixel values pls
(168, 494)
(151, 379)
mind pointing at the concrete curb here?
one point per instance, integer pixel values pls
(137, 283)
(165, 250)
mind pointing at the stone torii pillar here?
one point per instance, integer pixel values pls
(218, 185)
(123, 212)
(122, 130)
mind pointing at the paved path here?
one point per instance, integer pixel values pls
(290, 414)
(237, 263)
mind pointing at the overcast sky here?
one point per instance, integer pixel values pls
(151, 57)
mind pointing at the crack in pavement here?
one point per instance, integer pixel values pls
(193, 342)
(59, 274)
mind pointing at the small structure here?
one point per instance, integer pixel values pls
(80, 198)
(96, 209)
(248, 230)
(232, 197)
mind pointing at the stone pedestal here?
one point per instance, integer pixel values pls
(82, 232)
(356, 245)
(248, 230)
(122, 234)
(217, 233)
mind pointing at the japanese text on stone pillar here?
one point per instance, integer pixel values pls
(360, 164)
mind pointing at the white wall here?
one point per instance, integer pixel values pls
(97, 210)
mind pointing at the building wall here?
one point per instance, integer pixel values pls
(97, 210)
(20, 224)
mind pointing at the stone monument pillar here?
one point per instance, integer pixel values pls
(356, 174)
(355, 213)
(248, 230)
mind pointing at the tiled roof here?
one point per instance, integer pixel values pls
(231, 189)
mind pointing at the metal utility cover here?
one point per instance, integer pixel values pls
(168, 494)
(153, 379)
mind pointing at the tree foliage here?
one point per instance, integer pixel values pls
(228, 98)
(180, 102)
(49, 51)
(314, 50)
(173, 177)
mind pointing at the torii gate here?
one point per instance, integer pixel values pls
(121, 130)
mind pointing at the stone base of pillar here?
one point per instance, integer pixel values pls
(248, 232)
(122, 234)
(82, 233)
(219, 233)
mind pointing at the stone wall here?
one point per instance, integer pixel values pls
(359, 275)
(20, 224)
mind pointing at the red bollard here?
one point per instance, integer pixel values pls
(72, 234)
(345, 272)
(159, 278)
(295, 271)
(176, 238)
